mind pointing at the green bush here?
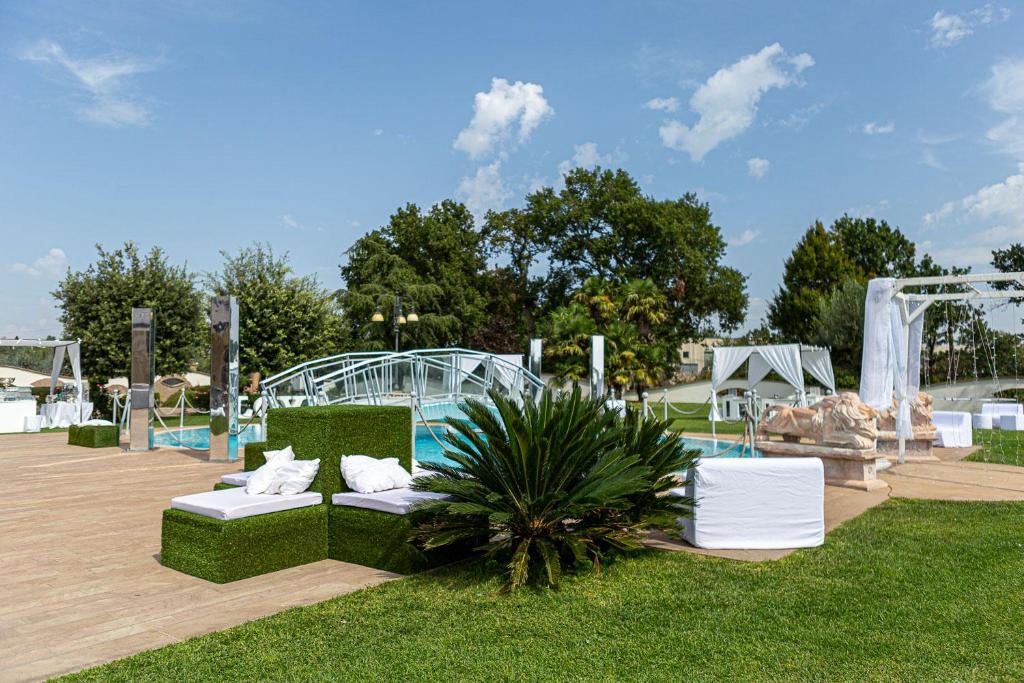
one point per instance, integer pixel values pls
(93, 436)
(223, 551)
(561, 482)
(329, 432)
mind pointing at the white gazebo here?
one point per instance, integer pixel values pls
(788, 360)
(73, 349)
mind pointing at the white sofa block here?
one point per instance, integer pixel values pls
(756, 503)
(398, 501)
(998, 409)
(952, 429)
(237, 478)
(981, 421)
(1011, 423)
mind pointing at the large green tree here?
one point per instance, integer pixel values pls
(435, 260)
(600, 225)
(824, 259)
(284, 319)
(839, 324)
(96, 307)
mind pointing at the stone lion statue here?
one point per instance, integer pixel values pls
(920, 414)
(840, 420)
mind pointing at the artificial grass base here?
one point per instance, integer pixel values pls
(373, 539)
(223, 551)
(93, 436)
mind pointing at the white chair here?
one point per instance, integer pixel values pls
(756, 503)
(981, 421)
(33, 423)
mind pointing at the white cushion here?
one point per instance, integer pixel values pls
(756, 503)
(364, 474)
(395, 501)
(981, 421)
(236, 478)
(1011, 423)
(236, 503)
(294, 477)
(263, 477)
(97, 423)
(997, 409)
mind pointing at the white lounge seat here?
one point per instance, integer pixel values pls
(236, 478)
(981, 421)
(395, 501)
(1011, 423)
(756, 503)
(953, 429)
(998, 409)
(236, 503)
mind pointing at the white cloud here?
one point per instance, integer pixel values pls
(875, 128)
(868, 210)
(499, 110)
(949, 29)
(1005, 93)
(727, 101)
(931, 160)
(288, 221)
(744, 238)
(103, 79)
(662, 104)
(377, 132)
(758, 167)
(992, 217)
(798, 120)
(585, 156)
(52, 264)
(485, 191)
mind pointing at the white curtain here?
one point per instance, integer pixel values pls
(897, 342)
(876, 373)
(914, 357)
(725, 360)
(785, 360)
(818, 363)
(58, 363)
(75, 356)
(757, 368)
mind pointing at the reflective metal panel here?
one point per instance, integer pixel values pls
(224, 378)
(536, 354)
(597, 365)
(140, 425)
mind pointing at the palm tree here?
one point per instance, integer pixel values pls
(571, 328)
(554, 482)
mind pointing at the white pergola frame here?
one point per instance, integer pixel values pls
(913, 306)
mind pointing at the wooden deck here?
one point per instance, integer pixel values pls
(80, 577)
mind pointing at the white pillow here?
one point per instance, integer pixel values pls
(263, 477)
(294, 477)
(364, 474)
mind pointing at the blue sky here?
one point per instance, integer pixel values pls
(201, 126)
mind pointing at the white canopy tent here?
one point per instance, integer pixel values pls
(788, 360)
(74, 354)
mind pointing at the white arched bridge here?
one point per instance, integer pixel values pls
(438, 378)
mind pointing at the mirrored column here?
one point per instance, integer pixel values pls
(597, 366)
(224, 378)
(140, 425)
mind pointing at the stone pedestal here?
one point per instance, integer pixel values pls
(918, 449)
(848, 467)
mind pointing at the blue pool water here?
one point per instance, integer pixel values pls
(427, 448)
(199, 437)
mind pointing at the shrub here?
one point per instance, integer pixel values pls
(556, 481)
(93, 436)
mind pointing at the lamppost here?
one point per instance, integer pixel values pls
(399, 318)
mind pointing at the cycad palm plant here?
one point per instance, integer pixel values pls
(552, 479)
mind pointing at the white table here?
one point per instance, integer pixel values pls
(13, 414)
(64, 414)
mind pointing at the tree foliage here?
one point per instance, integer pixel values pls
(96, 306)
(284, 319)
(838, 324)
(434, 260)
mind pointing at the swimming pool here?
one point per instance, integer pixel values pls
(427, 448)
(199, 437)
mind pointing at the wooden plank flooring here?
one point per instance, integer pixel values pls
(80, 577)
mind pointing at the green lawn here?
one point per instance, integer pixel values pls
(911, 590)
(1005, 448)
(698, 421)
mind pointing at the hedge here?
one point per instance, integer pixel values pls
(329, 432)
(94, 436)
(223, 551)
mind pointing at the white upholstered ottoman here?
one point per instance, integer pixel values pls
(756, 503)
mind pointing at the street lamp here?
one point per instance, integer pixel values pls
(399, 318)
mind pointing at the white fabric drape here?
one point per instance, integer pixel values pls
(782, 358)
(58, 363)
(897, 343)
(914, 357)
(876, 362)
(785, 360)
(725, 360)
(74, 355)
(818, 363)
